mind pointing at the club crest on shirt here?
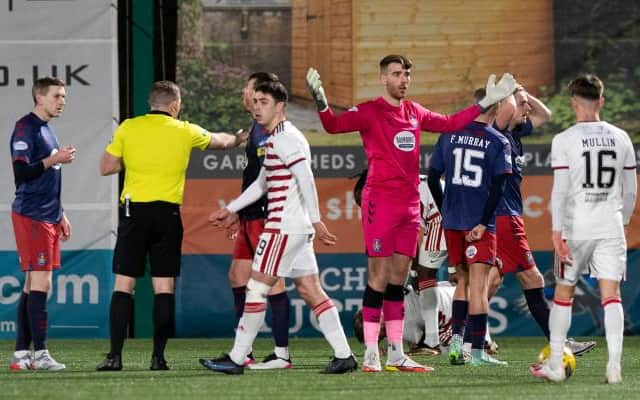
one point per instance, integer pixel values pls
(42, 259)
(404, 141)
(377, 245)
(471, 251)
(413, 121)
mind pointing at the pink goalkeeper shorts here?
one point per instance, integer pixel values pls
(390, 223)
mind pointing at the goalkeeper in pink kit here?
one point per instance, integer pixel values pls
(390, 128)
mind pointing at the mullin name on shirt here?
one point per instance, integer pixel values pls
(598, 142)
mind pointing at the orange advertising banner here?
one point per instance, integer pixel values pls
(342, 214)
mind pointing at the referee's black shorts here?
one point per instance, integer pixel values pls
(153, 229)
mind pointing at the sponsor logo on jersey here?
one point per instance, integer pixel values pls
(377, 245)
(520, 163)
(413, 121)
(405, 141)
(20, 145)
(471, 251)
(42, 259)
(354, 108)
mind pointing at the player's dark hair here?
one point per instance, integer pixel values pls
(41, 86)
(395, 58)
(163, 93)
(276, 89)
(587, 86)
(262, 77)
(479, 94)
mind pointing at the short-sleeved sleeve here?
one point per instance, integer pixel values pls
(200, 137)
(559, 158)
(290, 150)
(22, 146)
(116, 147)
(503, 161)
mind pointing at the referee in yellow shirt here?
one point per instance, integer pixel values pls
(155, 150)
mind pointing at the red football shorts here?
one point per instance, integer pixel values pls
(463, 252)
(513, 247)
(390, 223)
(38, 243)
(245, 244)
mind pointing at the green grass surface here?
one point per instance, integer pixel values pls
(188, 380)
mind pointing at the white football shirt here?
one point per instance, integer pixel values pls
(430, 221)
(595, 155)
(286, 212)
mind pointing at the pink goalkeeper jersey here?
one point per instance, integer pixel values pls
(391, 138)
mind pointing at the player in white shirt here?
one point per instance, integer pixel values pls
(432, 254)
(285, 248)
(593, 197)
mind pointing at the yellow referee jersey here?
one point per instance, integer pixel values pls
(155, 150)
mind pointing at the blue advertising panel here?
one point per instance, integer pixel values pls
(78, 302)
(205, 302)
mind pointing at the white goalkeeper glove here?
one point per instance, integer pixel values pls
(497, 92)
(314, 84)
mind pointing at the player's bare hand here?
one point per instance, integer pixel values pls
(241, 137)
(65, 155)
(223, 218)
(561, 248)
(476, 233)
(218, 216)
(65, 228)
(232, 230)
(323, 234)
(453, 278)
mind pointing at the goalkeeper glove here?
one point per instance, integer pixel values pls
(314, 84)
(497, 92)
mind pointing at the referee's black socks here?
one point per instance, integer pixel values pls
(119, 316)
(164, 306)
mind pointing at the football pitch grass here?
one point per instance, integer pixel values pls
(188, 380)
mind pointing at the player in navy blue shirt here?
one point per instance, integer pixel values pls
(38, 219)
(252, 220)
(475, 162)
(516, 120)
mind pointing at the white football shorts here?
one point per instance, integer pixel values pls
(285, 255)
(600, 258)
